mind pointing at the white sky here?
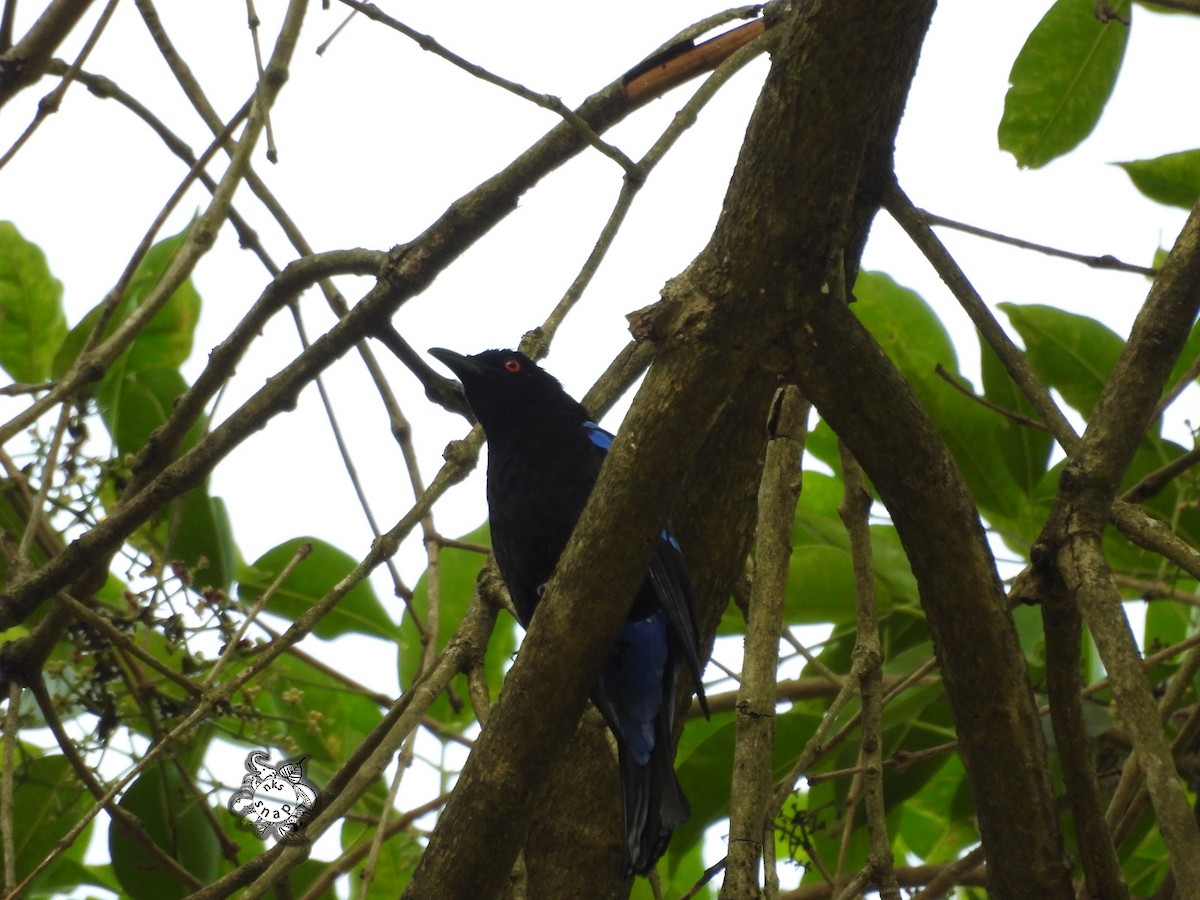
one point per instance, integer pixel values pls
(377, 137)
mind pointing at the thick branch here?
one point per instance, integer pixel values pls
(792, 226)
(1064, 633)
(1070, 544)
(26, 60)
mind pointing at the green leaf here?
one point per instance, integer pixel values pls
(32, 324)
(1061, 81)
(820, 585)
(704, 761)
(1173, 179)
(916, 341)
(398, 857)
(1190, 354)
(67, 875)
(48, 799)
(135, 404)
(1168, 623)
(904, 324)
(927, 821)
(172, 815)
(1070, 353)
(166, 340)
(204, 541)
(310, 713)
(358, 612)
(1146, 865)
(304, 877)
(1024, 449)
(457, 571)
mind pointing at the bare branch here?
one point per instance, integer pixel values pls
(23, 63)
(1070, 544)
(12, 722)
(51, 102)
(751, 819)
(913, 222)
(867, 667)
(1064, 634)
(1096, 262)
(554, 104)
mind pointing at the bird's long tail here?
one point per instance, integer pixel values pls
(654, 802)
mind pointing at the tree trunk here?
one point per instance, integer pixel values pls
(767, 295)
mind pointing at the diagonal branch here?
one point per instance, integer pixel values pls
(24, 62)
(1069, 547)
(412, 267)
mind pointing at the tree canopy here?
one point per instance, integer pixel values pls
(892, 708)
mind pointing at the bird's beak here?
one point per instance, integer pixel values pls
(455, 362)
(453, 395)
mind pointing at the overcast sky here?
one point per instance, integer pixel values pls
(376, 138)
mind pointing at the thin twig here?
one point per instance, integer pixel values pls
(913, 222)
(867, 666)
(348, 462)
(955, 873)
(751, 819)
(1157, 590)
(253, 22)
(1107, 261)
(814, 661)
(900, 760)
(709, 874)
(1171, 394)
(546, 101)
(324, 45)
(233, 647)
(99, 353)
(126, 821)
(536, 343)
(52, 101)
(1019, 418)
(36, 512)
(1155, 481)
(12, 724)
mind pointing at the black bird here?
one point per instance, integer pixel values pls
(544, 453)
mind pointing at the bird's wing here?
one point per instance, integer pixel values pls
(669, 578)
(598, 435)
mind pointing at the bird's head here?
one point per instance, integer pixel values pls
(505, 388)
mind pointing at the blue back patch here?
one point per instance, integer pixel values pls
(598, 435)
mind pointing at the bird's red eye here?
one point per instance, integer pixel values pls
(512, 365)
